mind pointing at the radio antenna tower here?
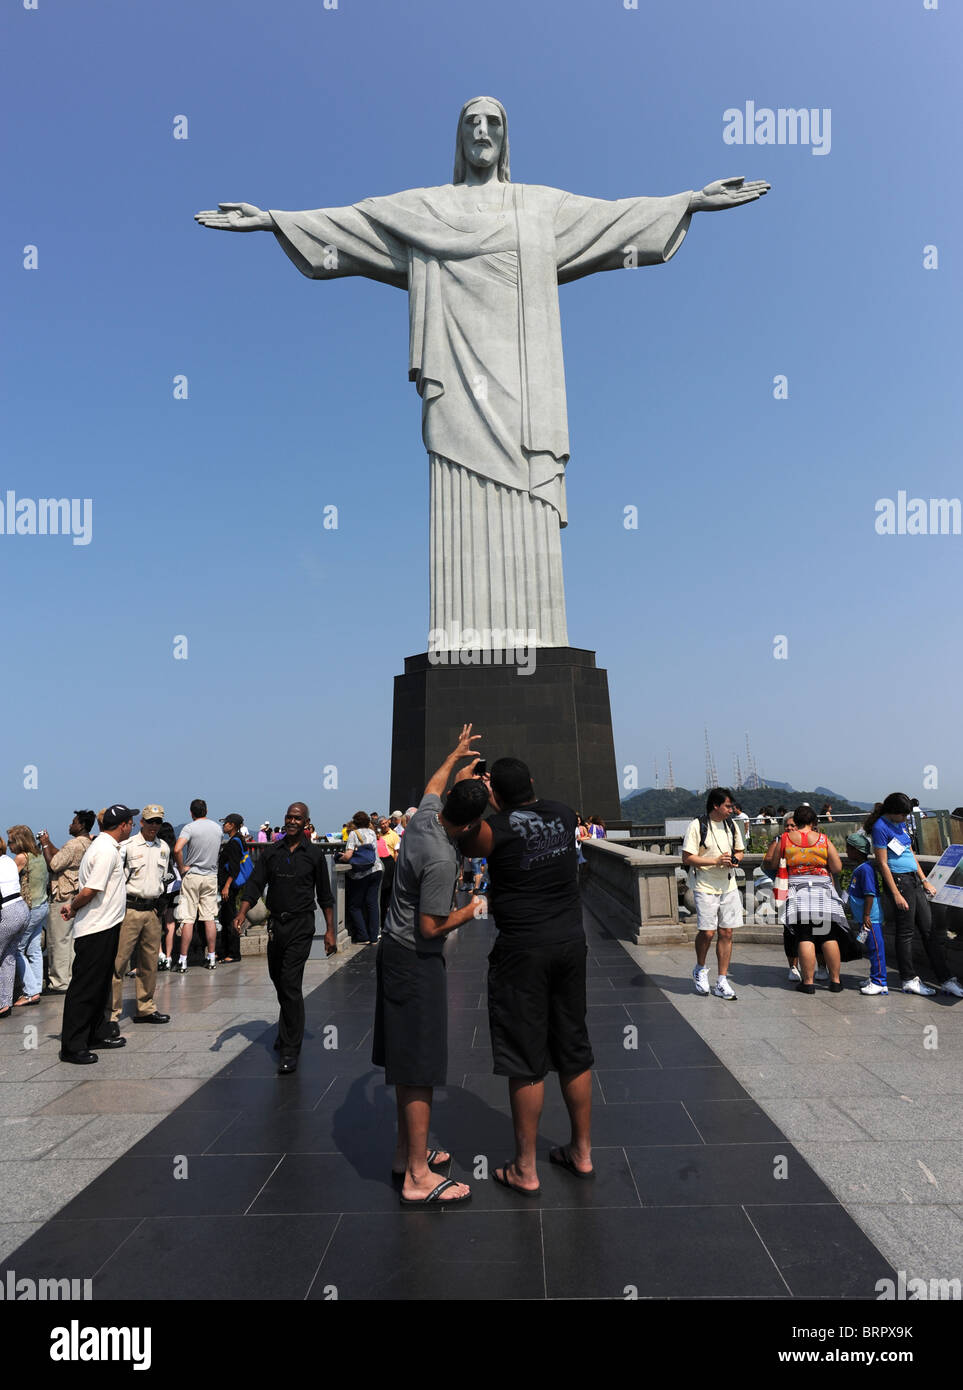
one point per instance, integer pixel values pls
(655, 766)
(753, 779)
(737, 770)
(711, 778)
(670, 785)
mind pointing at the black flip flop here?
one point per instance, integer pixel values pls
(431, 1159)
(564, 1160)
(433, 1199)
(503, 1181)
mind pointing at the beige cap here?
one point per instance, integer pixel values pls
(152, 813)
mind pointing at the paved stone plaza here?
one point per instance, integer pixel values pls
(779, 1147)
(868, 1090)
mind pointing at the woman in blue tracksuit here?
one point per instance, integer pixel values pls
(909, 893)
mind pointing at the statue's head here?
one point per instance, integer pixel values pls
(482, 138)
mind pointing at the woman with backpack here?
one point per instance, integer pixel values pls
(364, 880)
(908, 891)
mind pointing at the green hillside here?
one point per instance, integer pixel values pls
(655, 805)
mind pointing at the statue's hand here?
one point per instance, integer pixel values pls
(236, 217)
(727, 193)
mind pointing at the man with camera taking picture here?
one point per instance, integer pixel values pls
(712, 849)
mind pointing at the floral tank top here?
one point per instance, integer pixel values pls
(806, 859)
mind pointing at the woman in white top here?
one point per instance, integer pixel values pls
(364, 881)
(14, 913)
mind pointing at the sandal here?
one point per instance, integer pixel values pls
(434, 1197)
(513, 1187)
(563, 1159)
(433, 1159)
(26, 1000)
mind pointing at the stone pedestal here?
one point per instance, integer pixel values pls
(556, 718)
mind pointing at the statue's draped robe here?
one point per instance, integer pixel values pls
(482, 267)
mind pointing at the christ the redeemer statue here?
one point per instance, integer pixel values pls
(482, 259)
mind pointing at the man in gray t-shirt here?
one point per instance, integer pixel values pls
(195, 853)
(424, 878)
(411, 1013)
(200, 844)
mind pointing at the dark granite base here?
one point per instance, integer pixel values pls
(556, 718)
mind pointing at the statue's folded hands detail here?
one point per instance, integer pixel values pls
(482, 259)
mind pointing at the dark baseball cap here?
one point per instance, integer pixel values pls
(234, 817)
(117, 814)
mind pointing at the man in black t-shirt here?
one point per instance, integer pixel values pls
(536, 971)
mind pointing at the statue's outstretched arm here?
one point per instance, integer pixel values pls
(324, 243)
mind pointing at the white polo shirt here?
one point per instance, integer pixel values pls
(102, 869)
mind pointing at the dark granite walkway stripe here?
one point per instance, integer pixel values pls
(260, 1184)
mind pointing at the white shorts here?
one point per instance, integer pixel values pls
(198, 898)
(718, 910)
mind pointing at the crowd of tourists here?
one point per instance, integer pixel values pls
(84, 912)
(887, 884)
(103, 902)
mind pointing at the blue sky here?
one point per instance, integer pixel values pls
(756, 515)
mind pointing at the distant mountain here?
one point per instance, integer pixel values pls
(833, 797)
(655, 804)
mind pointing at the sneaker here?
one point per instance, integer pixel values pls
(164, 963)
(916, 986)
(952, 986)
(722, 989)
(794, 975)
(211, 963)
(870, 988)
(700, 978)
(821, 973)
(179, 969)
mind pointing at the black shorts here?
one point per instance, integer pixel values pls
(411, 1016)
(536, 1009)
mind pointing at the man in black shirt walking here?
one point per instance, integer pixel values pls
(294, 872)
(536, 971)
(229, 861)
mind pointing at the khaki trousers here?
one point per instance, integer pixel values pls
(140, 938)
(60, 947)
